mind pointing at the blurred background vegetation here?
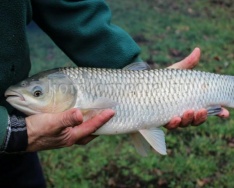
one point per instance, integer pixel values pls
(167, 31)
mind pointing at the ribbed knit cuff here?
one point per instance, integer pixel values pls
(16, 139)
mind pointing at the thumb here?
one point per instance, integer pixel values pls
(189, 62)
(70, 118)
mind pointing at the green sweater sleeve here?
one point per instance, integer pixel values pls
(3, 124)
(82, 29)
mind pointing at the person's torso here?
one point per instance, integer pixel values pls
(14, 52)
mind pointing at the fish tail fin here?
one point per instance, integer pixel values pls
(214, 110)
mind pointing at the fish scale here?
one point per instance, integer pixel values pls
(153, 95)
(143, 100)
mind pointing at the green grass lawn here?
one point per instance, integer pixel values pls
(201, 156)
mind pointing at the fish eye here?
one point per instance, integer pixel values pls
(37, 91)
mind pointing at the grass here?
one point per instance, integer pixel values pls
(201, 156)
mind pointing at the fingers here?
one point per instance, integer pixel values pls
(224, 113)
(90, 126)
(70, 118)
(174, 123)
(189, 62)
(189, 117)
(200, 117)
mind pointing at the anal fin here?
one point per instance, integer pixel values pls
(156, 138)
(141, 145)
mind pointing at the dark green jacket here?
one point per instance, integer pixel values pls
(82, 29)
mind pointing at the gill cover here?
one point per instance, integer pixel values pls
(62, 90)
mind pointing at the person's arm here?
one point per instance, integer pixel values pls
(13, 132)
(83, 30)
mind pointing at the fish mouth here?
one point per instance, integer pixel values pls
(9, 94)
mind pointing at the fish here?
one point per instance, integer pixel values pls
(144, 99)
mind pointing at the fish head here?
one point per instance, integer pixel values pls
(47, 92)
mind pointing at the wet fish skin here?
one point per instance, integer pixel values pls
(143, 100)
(151, 97)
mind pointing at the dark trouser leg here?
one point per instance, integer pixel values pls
(21, 170)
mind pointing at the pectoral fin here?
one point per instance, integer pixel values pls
(141, 145)
(156, 139)
(98, 104)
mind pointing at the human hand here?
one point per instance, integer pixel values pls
(191, 117)
(51, 131)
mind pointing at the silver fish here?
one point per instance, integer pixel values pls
(143, 100)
